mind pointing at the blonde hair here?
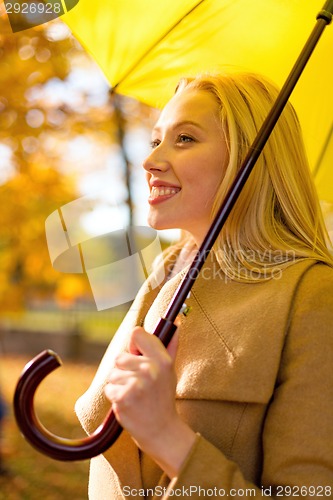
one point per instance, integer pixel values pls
(277, 218)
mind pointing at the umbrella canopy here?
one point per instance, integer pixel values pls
(145, 46)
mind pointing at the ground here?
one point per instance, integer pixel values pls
(31, 475)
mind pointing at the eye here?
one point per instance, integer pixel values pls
(183, 139)
(154, 143)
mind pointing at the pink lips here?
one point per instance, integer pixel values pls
(159, 183)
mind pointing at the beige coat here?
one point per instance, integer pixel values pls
(255, 381)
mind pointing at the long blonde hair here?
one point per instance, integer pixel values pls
(277, 218)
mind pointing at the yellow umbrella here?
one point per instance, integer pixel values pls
(145, 46)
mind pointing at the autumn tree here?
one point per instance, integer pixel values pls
(35, 130)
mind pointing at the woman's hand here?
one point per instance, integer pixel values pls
(142, 391)
(142, 388)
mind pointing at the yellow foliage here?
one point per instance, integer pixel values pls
(70, 288)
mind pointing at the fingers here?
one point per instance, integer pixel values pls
(133, 366)
(127, 387)
(121, 384)
(127, 361)
(141, 342)
(140, 371)
(142, 388)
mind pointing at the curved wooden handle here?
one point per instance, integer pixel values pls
(37, 435)
(45, 441)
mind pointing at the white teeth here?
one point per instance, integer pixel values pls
(163, 191)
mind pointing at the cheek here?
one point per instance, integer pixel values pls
(201, 178)
(206, 183)
(199, 197)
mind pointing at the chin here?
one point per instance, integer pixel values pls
(158, 226)
(157, 223)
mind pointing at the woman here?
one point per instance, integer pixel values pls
(241, 401)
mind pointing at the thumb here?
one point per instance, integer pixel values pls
(133, 346)
(142, 342)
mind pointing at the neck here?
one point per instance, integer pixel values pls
(185, 258)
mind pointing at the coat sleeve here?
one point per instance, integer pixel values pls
(297, 435)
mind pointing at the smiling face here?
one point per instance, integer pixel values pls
(186, 165)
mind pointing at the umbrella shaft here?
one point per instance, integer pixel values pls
(327, 12)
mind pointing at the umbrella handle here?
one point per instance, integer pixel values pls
(48, 443)
(42, 365)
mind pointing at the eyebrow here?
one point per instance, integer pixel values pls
(180, 124)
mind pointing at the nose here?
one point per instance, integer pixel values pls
(155, 161)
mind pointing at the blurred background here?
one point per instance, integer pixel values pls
(63, 136)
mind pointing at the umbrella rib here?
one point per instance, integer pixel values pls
(323, 151)
(132, 68)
